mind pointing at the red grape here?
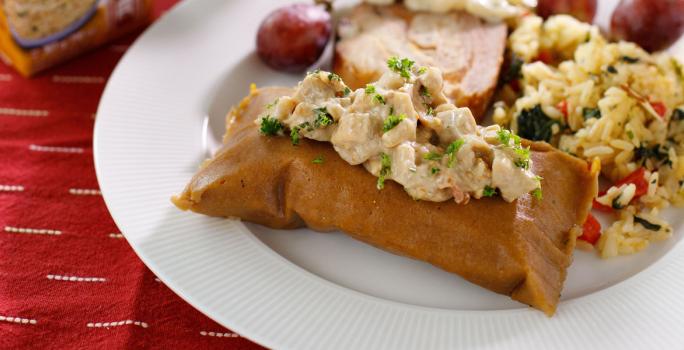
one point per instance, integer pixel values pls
(293, 37)
(584, 10)
(653, 24)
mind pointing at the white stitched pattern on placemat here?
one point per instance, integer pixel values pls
(219, 334)
(39, 148)
(11, 188)
(116, 324)
(21, 112)
(84, 192)
(75, 278)
(33, 231)
(14, 319)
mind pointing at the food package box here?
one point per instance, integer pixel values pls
(38, 34)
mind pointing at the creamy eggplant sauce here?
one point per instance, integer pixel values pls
(403, 128)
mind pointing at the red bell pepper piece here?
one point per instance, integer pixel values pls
(591, 230)
(637, 178)
(546, 57)
(660, 108)
(563, 107)
(600, 207)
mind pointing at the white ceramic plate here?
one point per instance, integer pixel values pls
(165, 105)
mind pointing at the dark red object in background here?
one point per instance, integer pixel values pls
(68, 280)
(293, 37)
(653, 24)
(584, 10)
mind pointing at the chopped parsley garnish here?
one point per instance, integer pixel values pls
(401, 66)
(272, 104)
(422, 70)
(630, 60)
(270, 126)
(537, 193)
(430, 111)
(658, 154)
(434, 171)
(616, 203)
(534, 124)
(392, 121)
(347, 91)
(333, 77)
(504, 136)
(647, 224)
(451, 151)
(678, 114)
(433, 156)
(514, 71)
(379, 98)
(294, 132)
(523, 160)
(612, 70)
(370, 89)
(323, 117)
(385, 170)
(591, 113)
(424, 92)
(318, 160)
(630, 134)
(488, 191)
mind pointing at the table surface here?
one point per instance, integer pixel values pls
(68, 278)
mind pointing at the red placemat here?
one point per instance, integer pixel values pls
(68, 279)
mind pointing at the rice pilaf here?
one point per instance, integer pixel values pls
(571, 87)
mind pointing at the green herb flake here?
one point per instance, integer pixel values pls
(318, 160)
(323, 117)
(535, 125)
(379, 98)
(295, 132)
(504, 136)
(514, 71)
(424, 92)
(452, 150)
(488, 191)
(422, 70)
(347, 91)
(435, 171)
(537, 193)
(272, 104)
(270, 126)
(392, 121)
(385, 170)
(630, 134)
(678, 114)
(523, 160)
(647, 224)
(432, 156)
(616, 203)
(612, 70)
(630, 60)
(334, 77)
(370, 89)
(591, 113)
(401, 66)
(430, 111)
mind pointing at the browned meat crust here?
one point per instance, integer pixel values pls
(521, 249)
(468, 50)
